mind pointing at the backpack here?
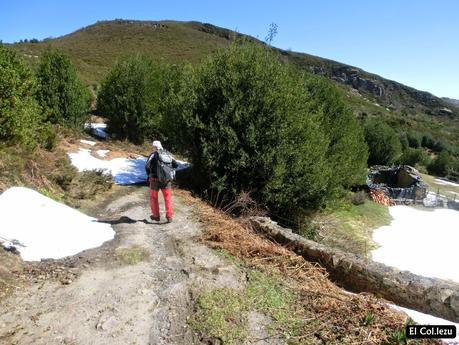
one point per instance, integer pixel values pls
(165, 172)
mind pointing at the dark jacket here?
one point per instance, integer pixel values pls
(151, 167)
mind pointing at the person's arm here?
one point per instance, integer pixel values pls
(148, 164)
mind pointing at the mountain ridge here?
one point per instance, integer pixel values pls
(95, 49)
(451, 101)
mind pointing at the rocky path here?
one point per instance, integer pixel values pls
(137, 289)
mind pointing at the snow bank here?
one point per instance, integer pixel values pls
(102, 153)
(89, 142)
(46, 228)
(97, 129)
(423, 242)
(444, 182)
(123, 170)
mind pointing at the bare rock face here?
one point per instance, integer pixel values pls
(352, 77)
(429, 295)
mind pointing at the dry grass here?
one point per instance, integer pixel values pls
(11, 266)
(331, 315)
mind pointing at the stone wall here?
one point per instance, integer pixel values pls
(428, 295)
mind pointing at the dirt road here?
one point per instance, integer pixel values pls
(136, 289)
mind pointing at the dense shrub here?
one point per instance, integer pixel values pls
(414, 139)
(440, 146)
(253, 124)
(88, 184)
(413, 156)
(65, 100)
(383, 143)
(427, 141)
(347, 152)
(20, 115)
(403, 137)
(359, 198)
(173, 106)
(131, 98)
(441, 165)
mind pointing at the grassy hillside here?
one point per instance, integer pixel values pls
(96, 48)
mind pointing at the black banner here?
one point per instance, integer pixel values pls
(431, 331)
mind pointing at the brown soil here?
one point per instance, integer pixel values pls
(105, 295)
(139, 288)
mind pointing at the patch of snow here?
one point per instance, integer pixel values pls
(46, 228)
(444, 182)
(433, 199)
(8, 244)
(123, 170)
(88, 142)
(426, 319)
(102, 153)
(182, 165)
(422, 242)
(98, 129)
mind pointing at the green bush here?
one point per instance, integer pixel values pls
(173, 105)
(403, 137)
(252, 123)
(414, 139)
(413, 156)
(20, 114)
(64, 173)
(347, 152)
(427, 141)
(48, 136)
(440, 146)
(441, 165)
(65, 99)
(88, 184)
(358, 198)
(131, 98)
(383, 143)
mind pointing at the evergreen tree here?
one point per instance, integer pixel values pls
(20, 114)
(131, 98)
(347, 152)
(252, 123)
(441, 165)
(65, 100)
(383, 143)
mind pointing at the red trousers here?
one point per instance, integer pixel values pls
(154, 204)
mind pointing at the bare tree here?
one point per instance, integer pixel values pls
(272, 32)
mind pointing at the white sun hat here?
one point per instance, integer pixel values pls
(157, 144)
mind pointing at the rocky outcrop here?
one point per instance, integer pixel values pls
(434, 296)
(386, 92)
(451, 101)
(351, 76)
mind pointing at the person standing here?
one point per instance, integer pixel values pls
(160, 170)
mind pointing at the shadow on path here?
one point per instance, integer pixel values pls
(127, 220)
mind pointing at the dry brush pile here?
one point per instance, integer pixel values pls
(330, 315)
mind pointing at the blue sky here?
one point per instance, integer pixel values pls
(413, 42)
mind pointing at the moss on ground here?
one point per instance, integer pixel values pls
(132, 255)
(222, 313)
(349, 227)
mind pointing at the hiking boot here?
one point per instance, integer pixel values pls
(154, 218)
(169, 219)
